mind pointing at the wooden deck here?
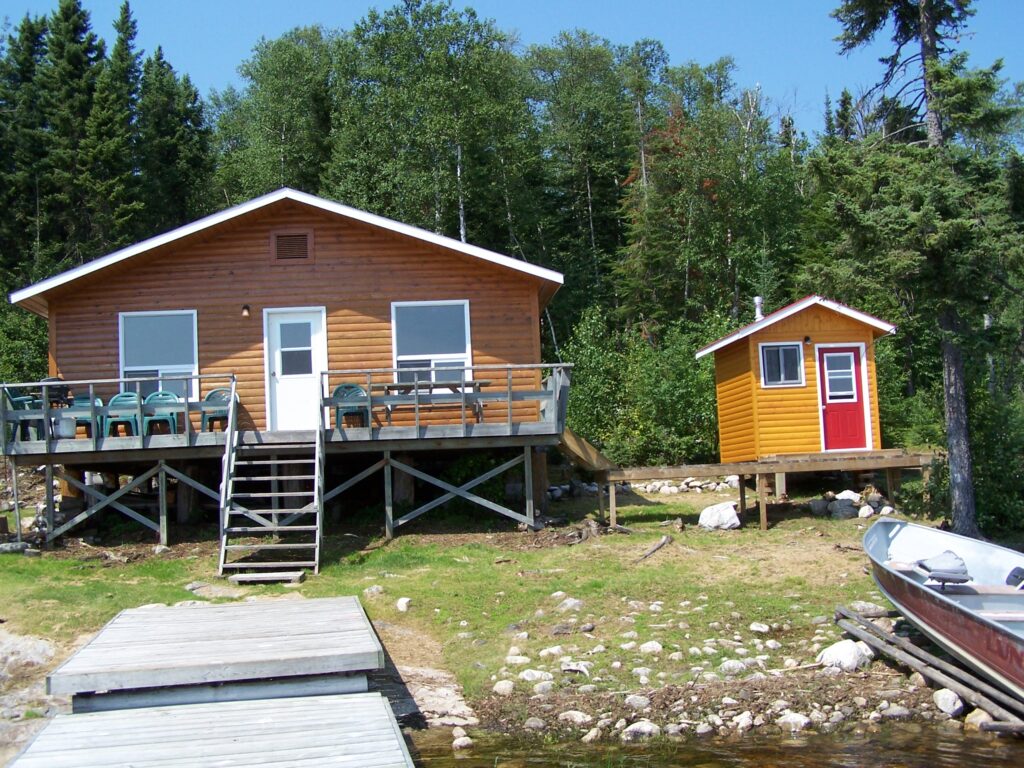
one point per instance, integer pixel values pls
(351, 730)
(159, 647)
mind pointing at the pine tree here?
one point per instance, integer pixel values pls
(110, 145)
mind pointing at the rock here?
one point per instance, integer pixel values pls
(463, 742)
(865, 511)
(744, 721)
(886, 510)
(703, 729)
(948, 702)
(860, 701)
(374, 590)
(514, 661)
(917, 679)
(33, 552)
(895, 712)
(793, 722)
(402, 604)
(543, 688)
(640, 731)
(534, 724)
(773, 645)
(976, 719)
(575, 717)
(868, 610)
(13, 547)
(842, 509)
(458, 732)
(161, 549)
(20, 652)
(636, 701)
(853, 496)
(845, 655)
(733, 481)
(192, 586)
(732, 667)
(587, 689)
(591, 736)
(651, 646)
(759, 628)
(719, 516)
(577, 667)
(554, 650)
(535, 675)
(819, 507)
(504, 687)
(569, 604)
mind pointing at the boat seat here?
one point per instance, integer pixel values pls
(1015, 578)
(945, 568)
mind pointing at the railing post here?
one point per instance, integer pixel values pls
(47, 426)
(138, 410)
(15, 499)
(94, 422)
(389, 511)
(3, 420)
(162, 480)
(508, 400)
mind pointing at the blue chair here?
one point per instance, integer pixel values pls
(16, 400)
(123, 408)
(152, 416)
(215, 408)
(82, 413)
(357, 406)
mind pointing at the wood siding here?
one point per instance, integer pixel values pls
(358, 270)
(736, 416)
(754, 421)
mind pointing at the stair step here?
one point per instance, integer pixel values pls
(274, 511)
(269, 478)
(259, 547)
(292, 577)
(270, 528)
(271, 494)
(291, 564)
(265, 462)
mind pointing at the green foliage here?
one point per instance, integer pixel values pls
(643, 400)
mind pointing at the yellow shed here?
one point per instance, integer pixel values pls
(800, 380)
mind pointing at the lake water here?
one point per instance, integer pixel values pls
(910, 746)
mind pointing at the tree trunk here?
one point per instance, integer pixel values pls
(930, 57)
(961, 473)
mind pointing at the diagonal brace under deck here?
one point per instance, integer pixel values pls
(105, 501)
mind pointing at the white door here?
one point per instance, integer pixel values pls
(296, 344)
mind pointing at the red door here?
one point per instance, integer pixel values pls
(842, 398)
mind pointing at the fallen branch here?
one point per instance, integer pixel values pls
(666, 539)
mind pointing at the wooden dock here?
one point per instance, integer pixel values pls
(350, 730)
(159, 655)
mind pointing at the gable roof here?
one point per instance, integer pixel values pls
(33, 298)
(791, 309)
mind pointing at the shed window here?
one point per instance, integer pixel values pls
(782, 365)
(159, 344)
(431, 334)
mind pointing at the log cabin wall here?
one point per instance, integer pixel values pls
(734, 384)
(356, 272)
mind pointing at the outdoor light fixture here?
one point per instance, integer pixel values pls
(245, 310)
(807, 339)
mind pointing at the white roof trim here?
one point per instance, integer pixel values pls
(283, 194)
(792, 309)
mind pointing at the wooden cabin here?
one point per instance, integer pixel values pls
(800, 380)
(334, 331)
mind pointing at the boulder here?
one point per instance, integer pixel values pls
(868, 610)
(793, 722)
(569, 604)
(463, 742)
(402, 604)
(534, 724)
(947, 701)
(842, 509)
(866, 511)
(845, 655)
(886, 510)
(640, 731)
(853, 496)
(759, 628)
(719, 516)
(535, 675)
(976, 719)
(651, 646)
(819, 507)
(732, 667)
(575, 717)
(636, 701)
(504, 687)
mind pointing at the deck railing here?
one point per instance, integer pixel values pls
(48, 413)
(492, 399)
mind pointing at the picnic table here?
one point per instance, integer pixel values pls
(431, 399)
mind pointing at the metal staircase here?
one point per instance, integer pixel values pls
(271, 509)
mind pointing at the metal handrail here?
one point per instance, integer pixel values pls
(318, 487)
(228, 468)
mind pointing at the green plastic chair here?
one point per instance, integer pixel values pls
(350, 392)
(81, 413)
(123, 408)
(150, 418)
(214, 397)
(15, 400)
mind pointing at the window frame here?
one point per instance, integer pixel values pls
(854, 397)
(765, 384)
(466, 357)
(162, 371)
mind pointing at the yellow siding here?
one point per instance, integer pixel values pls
(736, 418)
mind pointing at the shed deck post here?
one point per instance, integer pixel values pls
(612, 517)
(762, 499)
(780, 485)
(892, 482)
(389, 511)
(162, 482)
(17, 503)
(528, 483)
(743, 494)
(50, 511)
(602, 481)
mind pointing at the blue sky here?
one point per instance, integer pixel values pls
(786, 46)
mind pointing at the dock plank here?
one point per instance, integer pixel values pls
(343, 730)
(194, 645)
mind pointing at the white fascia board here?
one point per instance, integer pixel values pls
(283, 194)
(791, 310)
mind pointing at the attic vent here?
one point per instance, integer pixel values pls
(289, 246)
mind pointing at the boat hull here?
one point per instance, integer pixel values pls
(984, 645)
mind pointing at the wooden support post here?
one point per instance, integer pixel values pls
(612, 518)
(389, 510)
(780, 485)
(528, 484)
(404, 485)
(184, 497)
(162, 484)
(602, 481)
(539, 487)
(17, 503)
(892, 482)
(50, 511)
(762, 499)
(743, 494)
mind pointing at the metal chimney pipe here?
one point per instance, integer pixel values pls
(758, 313)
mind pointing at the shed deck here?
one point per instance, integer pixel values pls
(160, 647)
(351, 730)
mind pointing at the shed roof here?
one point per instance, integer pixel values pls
(34, 296)
(798, 306)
